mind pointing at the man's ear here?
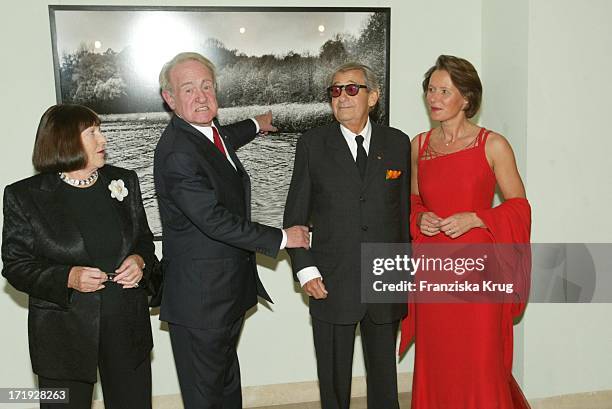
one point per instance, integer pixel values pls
(373, 98)
(169, 98)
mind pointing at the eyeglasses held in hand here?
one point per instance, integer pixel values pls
(350, 89)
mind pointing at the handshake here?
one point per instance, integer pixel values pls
(297, 236)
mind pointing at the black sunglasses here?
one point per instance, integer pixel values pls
(350, 89)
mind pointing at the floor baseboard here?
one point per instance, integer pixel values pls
(587, 400)
(305, 392)
(299, 392)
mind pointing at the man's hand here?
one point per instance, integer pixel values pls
(315, 288)
(86, 279)
(297, 236)
(265, 123)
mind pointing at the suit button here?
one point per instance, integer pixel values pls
(362, 199)
(364, 228)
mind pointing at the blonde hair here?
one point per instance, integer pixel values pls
(164, 74)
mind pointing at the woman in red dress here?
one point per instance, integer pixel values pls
(463, 351)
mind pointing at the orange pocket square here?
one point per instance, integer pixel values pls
(393, 174)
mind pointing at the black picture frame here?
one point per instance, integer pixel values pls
(279, 67)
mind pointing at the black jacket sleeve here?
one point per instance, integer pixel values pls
(240, 133)
(298, 205)
(22, 267)
(193, 193)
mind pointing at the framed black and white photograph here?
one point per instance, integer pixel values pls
(109, 57)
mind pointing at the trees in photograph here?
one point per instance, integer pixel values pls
(108, 82)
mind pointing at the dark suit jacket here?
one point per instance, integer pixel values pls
(327, 192)
(209, 242)
(40, 245)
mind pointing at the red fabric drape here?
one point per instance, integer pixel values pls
(509, 223)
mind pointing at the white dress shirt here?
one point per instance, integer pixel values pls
(349, 136)
(311, 272)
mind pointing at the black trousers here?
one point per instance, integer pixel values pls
(123, 386)
(334, 346)
(122, 389)
(207, 365)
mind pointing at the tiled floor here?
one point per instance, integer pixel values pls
(359, 403)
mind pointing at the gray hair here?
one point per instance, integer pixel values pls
(164, 74)
(371, 79)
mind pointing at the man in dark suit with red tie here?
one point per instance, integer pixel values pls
(351, 182)
(209, 242)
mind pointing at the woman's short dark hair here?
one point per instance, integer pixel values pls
(58, 146)
(464, 77)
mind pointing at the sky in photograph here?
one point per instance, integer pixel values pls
(156, 36)
(263, 33)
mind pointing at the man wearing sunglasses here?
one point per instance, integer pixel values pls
(351, 183)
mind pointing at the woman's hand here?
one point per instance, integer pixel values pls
(460, 223)
(129, 272)
(429, 223)
(86, 279)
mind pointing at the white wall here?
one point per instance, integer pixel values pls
(505, 28)
(504, 79)
(276, 344)
(546, 66)
(568, 348)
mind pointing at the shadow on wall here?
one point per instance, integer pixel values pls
(21, 299)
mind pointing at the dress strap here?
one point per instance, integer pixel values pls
(423, 144)
(481, 139)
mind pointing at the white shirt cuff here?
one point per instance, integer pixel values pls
(284, 240)
(308, 273)
(257, 131)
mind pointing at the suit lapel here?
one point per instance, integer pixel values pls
(210, 151)
(375, 155)
(232, 154)
(240, 172)
(342, 155)
(218, 161)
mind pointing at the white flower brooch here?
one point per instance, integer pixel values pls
(118, 189)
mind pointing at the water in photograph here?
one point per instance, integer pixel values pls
(268, 159)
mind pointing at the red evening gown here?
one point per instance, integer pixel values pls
(463, 351)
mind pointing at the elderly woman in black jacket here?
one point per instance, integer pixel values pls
(76, 240)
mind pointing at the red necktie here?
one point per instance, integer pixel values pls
(217, 140)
